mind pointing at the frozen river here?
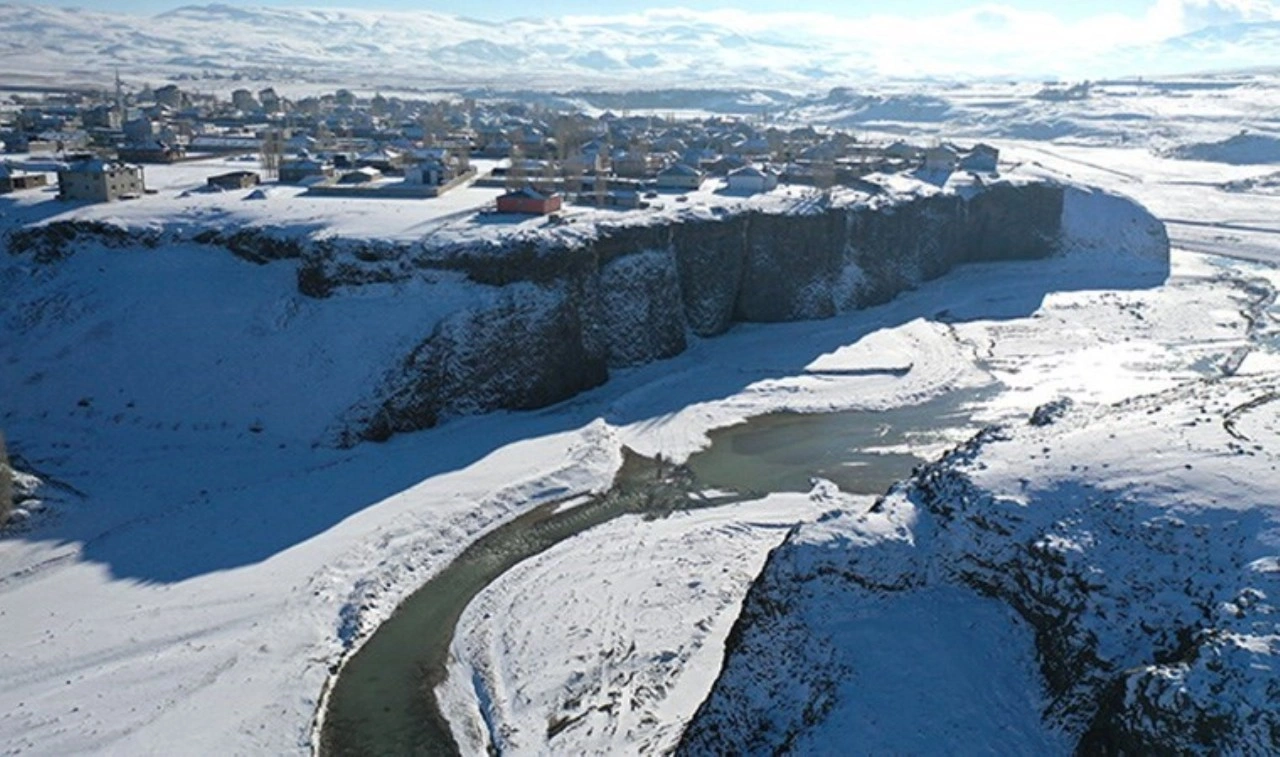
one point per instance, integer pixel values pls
(384, 700)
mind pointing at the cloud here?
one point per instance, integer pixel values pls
(1192, 15)
(981, 39)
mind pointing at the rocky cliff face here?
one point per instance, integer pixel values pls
(630, 295)
(1135, 557)
(556, 307)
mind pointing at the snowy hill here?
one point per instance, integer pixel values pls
(1109, 575)
(388, 48)
(421, 49)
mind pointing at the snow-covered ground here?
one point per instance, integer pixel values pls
(611, 638)
(181, 207)
(1096, 346)
(217, 563)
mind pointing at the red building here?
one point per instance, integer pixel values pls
(529, 201)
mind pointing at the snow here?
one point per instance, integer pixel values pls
(642, 608)
(181, 204)
(1109, 531)
(181, 207)
(220, 561)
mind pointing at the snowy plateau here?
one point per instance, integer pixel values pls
(417, 50)
(1085, 558)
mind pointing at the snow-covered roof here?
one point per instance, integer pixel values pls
(383, 153)
(96, 165)
(527, 192)
(305, 163)
(679, 169)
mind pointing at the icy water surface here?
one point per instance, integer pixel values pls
(383, 700)
(861, 452)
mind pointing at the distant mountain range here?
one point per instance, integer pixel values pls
(407, 50)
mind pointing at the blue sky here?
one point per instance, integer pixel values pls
(498, 9)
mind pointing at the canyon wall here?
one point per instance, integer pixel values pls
(562, 314)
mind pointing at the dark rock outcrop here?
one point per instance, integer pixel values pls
(528, 348)
(51, 242)
(629, 293)
(637, 290)
(1150, 610)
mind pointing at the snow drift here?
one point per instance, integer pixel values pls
(1241, 150)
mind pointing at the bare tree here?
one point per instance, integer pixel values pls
(324, 137)
(516, 172)
(824, 173)
(569, 134)
(548, 183)
(601, 187)
(573, 176)
(270, 151)
(462, 158)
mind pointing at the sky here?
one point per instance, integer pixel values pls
(1019, 38)
(1072, 11)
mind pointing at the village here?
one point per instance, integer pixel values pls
(502, 157)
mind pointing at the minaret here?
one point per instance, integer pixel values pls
(119, 97)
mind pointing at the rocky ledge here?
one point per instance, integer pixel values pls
(545, 311)
(1102, 582)
(563, 310)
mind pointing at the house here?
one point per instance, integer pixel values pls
(17, 143)
(13, 180)
(101, 117)
(305, 167)
(269, 99)
(153, 151)
(724, 164)
(235, 180)
(225, 143)
(585, 162)
(902, 150)
(301, 143)
(365, 175)
(139, 130)
(385, 160)
(529, 201)
(244, 101)
(97, 180)
(633, 164)
(430, 172)
(983, 158)
(170, 96)
(941, 158)
(679, 176)
(623, 198)
(751, 179)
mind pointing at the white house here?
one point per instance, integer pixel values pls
(431, 172)
(751, 179)
(97, 180)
